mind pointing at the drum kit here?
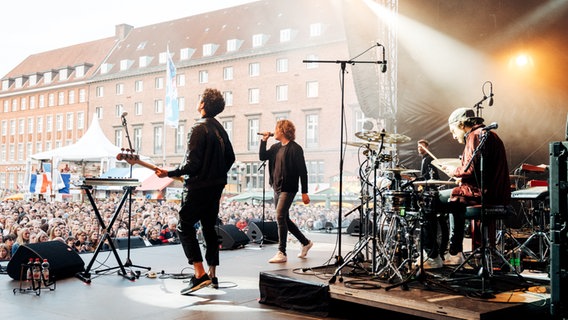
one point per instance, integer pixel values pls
(399, 202)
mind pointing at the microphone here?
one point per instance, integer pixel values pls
(270, 134)
(490, 94)
(492, 126)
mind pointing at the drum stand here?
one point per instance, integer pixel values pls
(541, 237)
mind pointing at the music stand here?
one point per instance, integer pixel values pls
(343, 63)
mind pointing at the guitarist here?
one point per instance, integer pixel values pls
(208, 158)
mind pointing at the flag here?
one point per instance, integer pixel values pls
(171, 112)
(40, 183)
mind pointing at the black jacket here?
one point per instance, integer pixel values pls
(208, 157)
(295, 166)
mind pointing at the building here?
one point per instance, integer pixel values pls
(258, 64)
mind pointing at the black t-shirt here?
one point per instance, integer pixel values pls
(279, 168)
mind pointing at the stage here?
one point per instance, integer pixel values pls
(298, 289)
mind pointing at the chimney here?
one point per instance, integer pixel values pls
(122, 30)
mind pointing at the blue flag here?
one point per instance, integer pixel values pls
(171, 112)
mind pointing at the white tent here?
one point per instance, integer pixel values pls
(92, 146)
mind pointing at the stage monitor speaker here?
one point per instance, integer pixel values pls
(231, 237)
(354, 227)
(263, 231)
(63, 261)
(135, 242)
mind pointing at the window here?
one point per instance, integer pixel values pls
(158, 106)
(32, 102)
(203, 76)
(254, 96)
(23, 103)
(99, 112)
(137, 139)
(80, 71)
(82, 95)
(232, 45)
(71, 96)
(186, 53)
(312, 65)
(41, 102)
(118, 110)
(12, 127)
(180, 80)
(30, 125)
(69, 120)
(181, 104)
(228, 125)
(119, 88)
(138, 85)
(125, 64)
(282, 65)
(253, 138)
(159, 83)
(58, 122)
(228, 96)
(6, 106)
(48, 124)
(39, 124)
(60, 98)
(80, 120)
(158, 140)
(312, 130)
(118, 137)
(316, 170)
(99, 92)
(138, 108)
(312, 89)
(282, 93)
(257, 40)
(254, 69)
(208, 49)
(21, 127)
(180, 139)
(315, 29)
(162, 57)
(144, 61)
(285, 35)
(14, 105)
(228, 73)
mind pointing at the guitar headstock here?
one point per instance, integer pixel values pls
(128, 156)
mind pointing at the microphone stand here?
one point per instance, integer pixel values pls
(342, 63)
(128, 262)
(263, 231)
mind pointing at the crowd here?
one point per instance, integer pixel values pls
(75, 223)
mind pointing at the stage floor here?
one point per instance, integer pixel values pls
(113, 296)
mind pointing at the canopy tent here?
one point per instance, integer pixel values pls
(92, 146)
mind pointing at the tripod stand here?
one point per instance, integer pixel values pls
(252, 233)
(339, 258)
(128, 262)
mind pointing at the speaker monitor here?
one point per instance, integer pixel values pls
(265, 231)
(231, 237)
(135, 242)
(63, 261)
(354, 227)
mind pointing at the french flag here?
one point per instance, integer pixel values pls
(40, 183)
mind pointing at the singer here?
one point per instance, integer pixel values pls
(286, 167)
(468, 129)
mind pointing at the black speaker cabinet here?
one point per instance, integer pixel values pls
(231, 237)
(268, 229)
(63, 261)
(135, 242)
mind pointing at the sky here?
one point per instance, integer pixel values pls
(35, 26)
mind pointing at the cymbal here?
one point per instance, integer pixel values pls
(438, 163)
(399, 170)
(368, 145)
(433, 183)
(376, 136)
(397, 138)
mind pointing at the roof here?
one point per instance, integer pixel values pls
(153, 182)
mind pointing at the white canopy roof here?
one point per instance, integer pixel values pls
(92, 146)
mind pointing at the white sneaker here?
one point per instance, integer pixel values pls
(455, 260)
(278, 258)
(433, 263)
(305, 250)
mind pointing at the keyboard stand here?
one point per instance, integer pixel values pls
(85, 276)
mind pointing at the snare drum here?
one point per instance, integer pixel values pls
(397, 202)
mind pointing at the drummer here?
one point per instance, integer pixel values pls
(467, 129)
(432, 218)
